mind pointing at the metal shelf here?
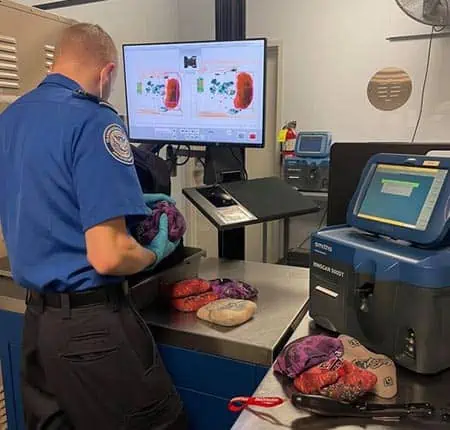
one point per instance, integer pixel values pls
(420, 36)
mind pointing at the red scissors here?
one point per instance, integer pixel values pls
(238, 404)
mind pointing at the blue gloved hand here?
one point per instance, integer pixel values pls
(151, 199)
(161, 246)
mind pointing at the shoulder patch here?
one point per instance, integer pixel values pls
(117, 144)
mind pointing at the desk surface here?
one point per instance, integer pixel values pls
(411, 388)
(268, 199)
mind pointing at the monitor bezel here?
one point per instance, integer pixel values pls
(437, 227)
(200, 143)
(323, 145)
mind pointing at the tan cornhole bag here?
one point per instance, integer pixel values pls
(227, 312)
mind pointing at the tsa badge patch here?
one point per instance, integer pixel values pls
(117, 144)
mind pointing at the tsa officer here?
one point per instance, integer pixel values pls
(69, 189)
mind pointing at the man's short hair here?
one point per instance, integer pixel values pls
(87, 43)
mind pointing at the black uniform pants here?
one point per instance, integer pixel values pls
(94, 367)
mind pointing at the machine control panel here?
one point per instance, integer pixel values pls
(308, 169)
(313, 144)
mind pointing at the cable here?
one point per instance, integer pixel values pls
(202, 162)
(188, 156)
(425, 79)
(318, 228)
(157, 148)
(241, 162)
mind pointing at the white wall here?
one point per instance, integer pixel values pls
(127, 21)
(332, 48)
(144, 21)
(196, 20)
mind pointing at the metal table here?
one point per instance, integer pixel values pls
(283, 296)
(411, 388)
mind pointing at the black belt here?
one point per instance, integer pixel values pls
(93, 296)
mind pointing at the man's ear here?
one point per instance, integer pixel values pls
(108, 72)
(111, 69)
(112, 66)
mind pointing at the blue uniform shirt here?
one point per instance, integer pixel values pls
(65, 166)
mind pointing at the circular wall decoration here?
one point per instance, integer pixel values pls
(389, 89)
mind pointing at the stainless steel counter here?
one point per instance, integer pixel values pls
(283, 296)
(281, 306)
(412, 388)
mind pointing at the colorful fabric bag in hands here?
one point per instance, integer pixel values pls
(161, 246)
(145, 231)
(151, 199)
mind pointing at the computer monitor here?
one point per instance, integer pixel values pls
(208, 93)
(404, 197)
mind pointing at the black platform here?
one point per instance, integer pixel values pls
(267, 199)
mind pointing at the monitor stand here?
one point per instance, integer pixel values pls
(222, 165)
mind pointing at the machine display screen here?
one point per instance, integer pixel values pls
(404, 196)
(311, 144)
(196, 92)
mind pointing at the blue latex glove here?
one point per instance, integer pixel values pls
(161, 246)
(151, 199)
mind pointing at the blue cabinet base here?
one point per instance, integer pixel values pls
(205, 382)
(206, 412)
